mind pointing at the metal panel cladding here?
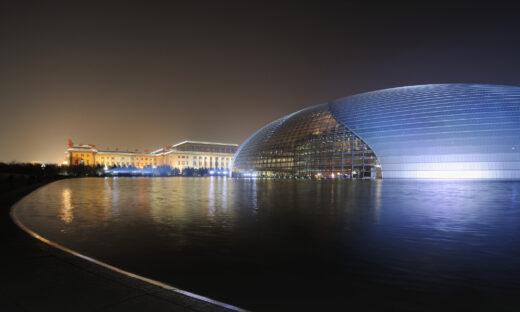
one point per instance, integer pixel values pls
(444, 131)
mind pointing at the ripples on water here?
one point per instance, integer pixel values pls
(298, 245)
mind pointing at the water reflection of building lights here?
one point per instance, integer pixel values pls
(377, 200)
(224, 194)
(66, 214)
(514, 196)
(333, 186)
(219, 172)
(254, 199)
(115, 197)
(211, 196)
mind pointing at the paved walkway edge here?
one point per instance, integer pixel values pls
(113, 268)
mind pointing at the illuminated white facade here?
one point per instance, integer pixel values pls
(186, 154)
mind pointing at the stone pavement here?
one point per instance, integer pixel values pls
(39, 277)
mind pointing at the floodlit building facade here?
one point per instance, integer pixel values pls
(440, 131)
(187, 154)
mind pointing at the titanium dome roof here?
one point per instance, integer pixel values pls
(450, 131)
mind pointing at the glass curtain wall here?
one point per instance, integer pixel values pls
(307, 144)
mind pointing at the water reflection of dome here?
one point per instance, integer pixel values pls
(453, 131)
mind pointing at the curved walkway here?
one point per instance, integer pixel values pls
(39, 277)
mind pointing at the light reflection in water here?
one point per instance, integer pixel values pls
(211, 196)
(66, 214)
(377, 199)
(332, 194)
(143, 196)
(224, 193)
(457, 214)
(413, 234)
(254, 200)
(115, 196)
(515, 201)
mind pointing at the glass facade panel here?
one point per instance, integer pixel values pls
(307, 144)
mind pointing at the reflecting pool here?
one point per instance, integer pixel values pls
(283, 245)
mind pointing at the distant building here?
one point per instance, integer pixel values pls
(187, 154)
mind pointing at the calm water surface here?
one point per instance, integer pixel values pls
(298, 245)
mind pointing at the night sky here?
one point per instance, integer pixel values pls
(152, 74)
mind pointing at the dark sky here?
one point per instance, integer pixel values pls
(151, 74)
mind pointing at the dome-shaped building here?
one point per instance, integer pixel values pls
(443, 131)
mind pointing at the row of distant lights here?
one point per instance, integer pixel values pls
(246, 174)
(332, 175)
(219, 172)
(319, 174)
(226, 173)
(108, 169)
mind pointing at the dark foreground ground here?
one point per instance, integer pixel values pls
(38, 277)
